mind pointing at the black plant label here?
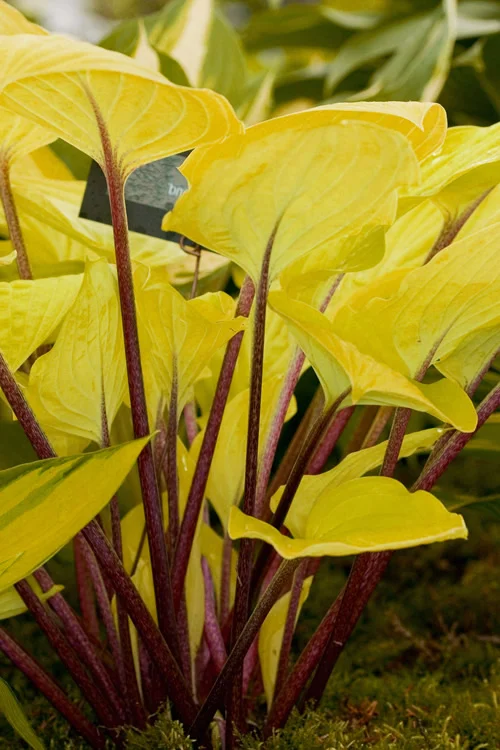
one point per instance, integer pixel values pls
(150, 192)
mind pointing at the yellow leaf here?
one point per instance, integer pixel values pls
(84, 373)
(467, 361)
(177, 334)
(43, 163)
(423, 123)
(271, 636)
(464, 149)
(353, 466)
(227, 474)
(45, 503)
(407, 244)
(12, 605)
(13, 22)
(362, 515)
(80, 91)
(48, 211)
(19, 136)
(310, 278)
(301, 181)
(421, 316)
(30, 311)
(13, 712)
(340, 365)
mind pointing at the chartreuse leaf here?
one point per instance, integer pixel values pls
(227, 473)
(467, 164)
(353, 466)
(340, 366)
(271, 636)
(11, 603)
(178, 336)
(84, 375)
(310, 277)
(370, 514)
(132, 529)
(81, 91)
(45, 503)
(301, 181)
(19, 136)
(460, 285)
(30, 311)
(407, 244)
(13, 712)
(467, 361)
(41, 163)
(13, 22)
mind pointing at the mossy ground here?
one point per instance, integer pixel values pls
(421, 671)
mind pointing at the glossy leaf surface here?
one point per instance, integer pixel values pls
(299, 183)
(45, 503)
(82, 92)
(83, 376)
(363, 515)
(340, 366)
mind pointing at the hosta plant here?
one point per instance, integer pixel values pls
(364, 239)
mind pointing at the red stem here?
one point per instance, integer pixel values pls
(368, 569)
(97, 699)
(289, 629)
(200, 477)
(51, 690)
(81, 644)
(235, 659)
(329, 441)
(145, 463)
(285, 397)
(213, 633)
(86, 596)
(12, 220)
(234, 716)
(153, 640)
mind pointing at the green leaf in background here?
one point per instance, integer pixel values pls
(13, 712)
(195, 44)
(45, 503)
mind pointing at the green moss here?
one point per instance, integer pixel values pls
(421, 671)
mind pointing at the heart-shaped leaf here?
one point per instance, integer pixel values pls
(363, 515)
(30, 311)
(88, 95)
(84, 375)
(340, 366)
(297, 183)
(390, 319)
(353, 466)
